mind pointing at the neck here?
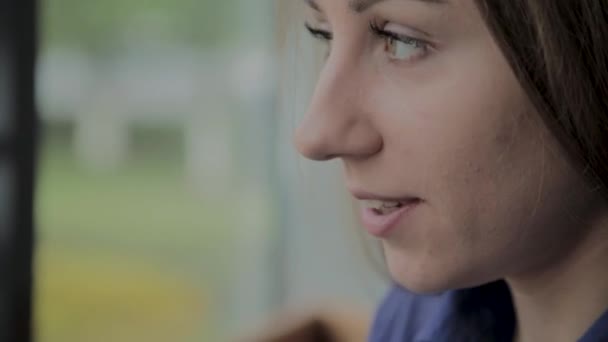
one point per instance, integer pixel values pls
(561, 302)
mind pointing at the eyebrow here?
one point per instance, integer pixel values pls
(360, 6)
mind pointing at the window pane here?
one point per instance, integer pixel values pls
(171, 204)
(148, 201)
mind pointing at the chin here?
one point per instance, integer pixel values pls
(427, 277)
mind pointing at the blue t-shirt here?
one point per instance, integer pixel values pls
(481, 314)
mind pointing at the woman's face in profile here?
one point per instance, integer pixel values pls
(427, 117)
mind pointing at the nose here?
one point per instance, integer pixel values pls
(336, 125)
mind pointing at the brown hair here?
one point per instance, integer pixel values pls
(559, 52)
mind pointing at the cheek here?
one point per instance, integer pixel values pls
(452, 138)
(466, 139)
(477, 153)
(493, 208)
(481, 220)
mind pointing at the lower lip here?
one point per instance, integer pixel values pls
(381, 225)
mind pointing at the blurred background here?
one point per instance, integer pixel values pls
(171, 205)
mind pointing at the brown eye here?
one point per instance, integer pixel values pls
(400, 47)
(401, 50)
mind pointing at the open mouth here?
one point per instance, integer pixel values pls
(380, 207)
(380, 217)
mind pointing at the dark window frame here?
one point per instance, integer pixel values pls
(18, 42)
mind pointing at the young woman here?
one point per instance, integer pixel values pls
(474, 134)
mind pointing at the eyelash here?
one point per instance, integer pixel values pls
(375, 29)
(319, 34)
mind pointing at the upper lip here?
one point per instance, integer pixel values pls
(365, 195)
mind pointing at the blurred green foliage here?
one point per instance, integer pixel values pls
(126, 255)
(133, 253)
(99, 27)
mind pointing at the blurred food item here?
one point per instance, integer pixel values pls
(324, 325)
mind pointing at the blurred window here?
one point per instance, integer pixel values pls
(155, 209)
(171, 204)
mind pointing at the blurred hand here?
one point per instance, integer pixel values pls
(317, 326)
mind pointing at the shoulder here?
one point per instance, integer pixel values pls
(404, 316)
(477, 314)
(598, 331)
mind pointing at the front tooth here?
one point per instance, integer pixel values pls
(377, 204)
(390, 204)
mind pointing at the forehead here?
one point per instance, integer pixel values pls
(362, 5)
(454, 17)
